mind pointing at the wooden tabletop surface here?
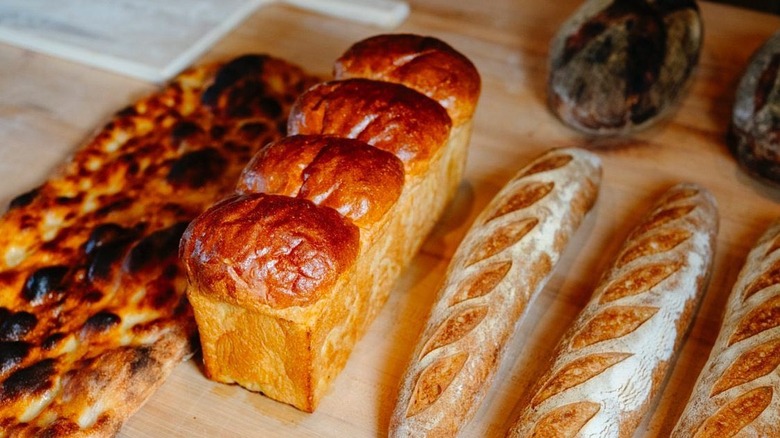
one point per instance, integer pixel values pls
(49, 106)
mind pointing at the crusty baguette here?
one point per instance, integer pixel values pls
(287, 274)
(499, 267)
(738, 390)
(611, 362)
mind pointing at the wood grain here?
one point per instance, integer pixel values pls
(47, 106)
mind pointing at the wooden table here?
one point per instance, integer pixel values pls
(48, 106)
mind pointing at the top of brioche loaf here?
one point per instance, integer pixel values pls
(425, 64)
(294, 226)
(359, 181)
(383, 114)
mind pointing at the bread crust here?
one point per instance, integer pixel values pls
(610, 364)
(499, 267)
(93, 313)
(422, 63)
(380, 156)
(736, 394)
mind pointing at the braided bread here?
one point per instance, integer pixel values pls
(737, 391)
(611, 362)
(286, 275)
(502, 263)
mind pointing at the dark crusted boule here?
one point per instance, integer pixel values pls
(754, 136)
(617, 66)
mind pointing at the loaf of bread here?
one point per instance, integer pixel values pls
(753, 133)
(737, 393)
(612, 361)
(502, 263)
(286, 275)
(619, 66)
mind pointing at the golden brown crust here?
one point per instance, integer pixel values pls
(736, 393)
(501, 264)
(92, 301)
(378, 156)
(278, 167)
(425, 64)
(359, 181)
(383, 114)
(611, 362)
(296, 249)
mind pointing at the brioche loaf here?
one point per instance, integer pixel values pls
(286, 275)
(738, 390)
(611, 362)
(502, 263)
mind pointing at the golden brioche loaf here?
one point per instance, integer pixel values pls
(286, 275)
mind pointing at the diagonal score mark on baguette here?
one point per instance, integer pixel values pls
(566, 421)
(766, 279)
(481, 282)
(764, 316)
(736, 392)
(663, 241)
(662, 217)
(736, 414)
(612, 322)
(752, 364)
(526, 196)
(434, 380)
(545, 165)
(617, 351)
(455, 327)
(502, 263)
(576, 372)
(638, 281)
(502, 238)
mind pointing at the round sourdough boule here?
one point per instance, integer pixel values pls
(619, 66)
(754, 134)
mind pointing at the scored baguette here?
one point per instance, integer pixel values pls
(286, 275)
(611, 362)
(502, 263)
(738, 390)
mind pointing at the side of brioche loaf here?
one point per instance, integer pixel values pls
(611, 362)
(286, 275)
(738, 390)
(502, 263)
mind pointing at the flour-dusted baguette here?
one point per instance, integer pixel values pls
(738, 390)
(286, 275)
(611, 362)
(500, 266)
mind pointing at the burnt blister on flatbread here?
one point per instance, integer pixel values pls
(92, 305)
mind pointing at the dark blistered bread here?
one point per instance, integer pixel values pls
(286, 275)
(619, 66)
(753, 134)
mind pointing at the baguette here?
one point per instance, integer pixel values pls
(286, 275)
(610, 364)
(500, 266)
(738, 390)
